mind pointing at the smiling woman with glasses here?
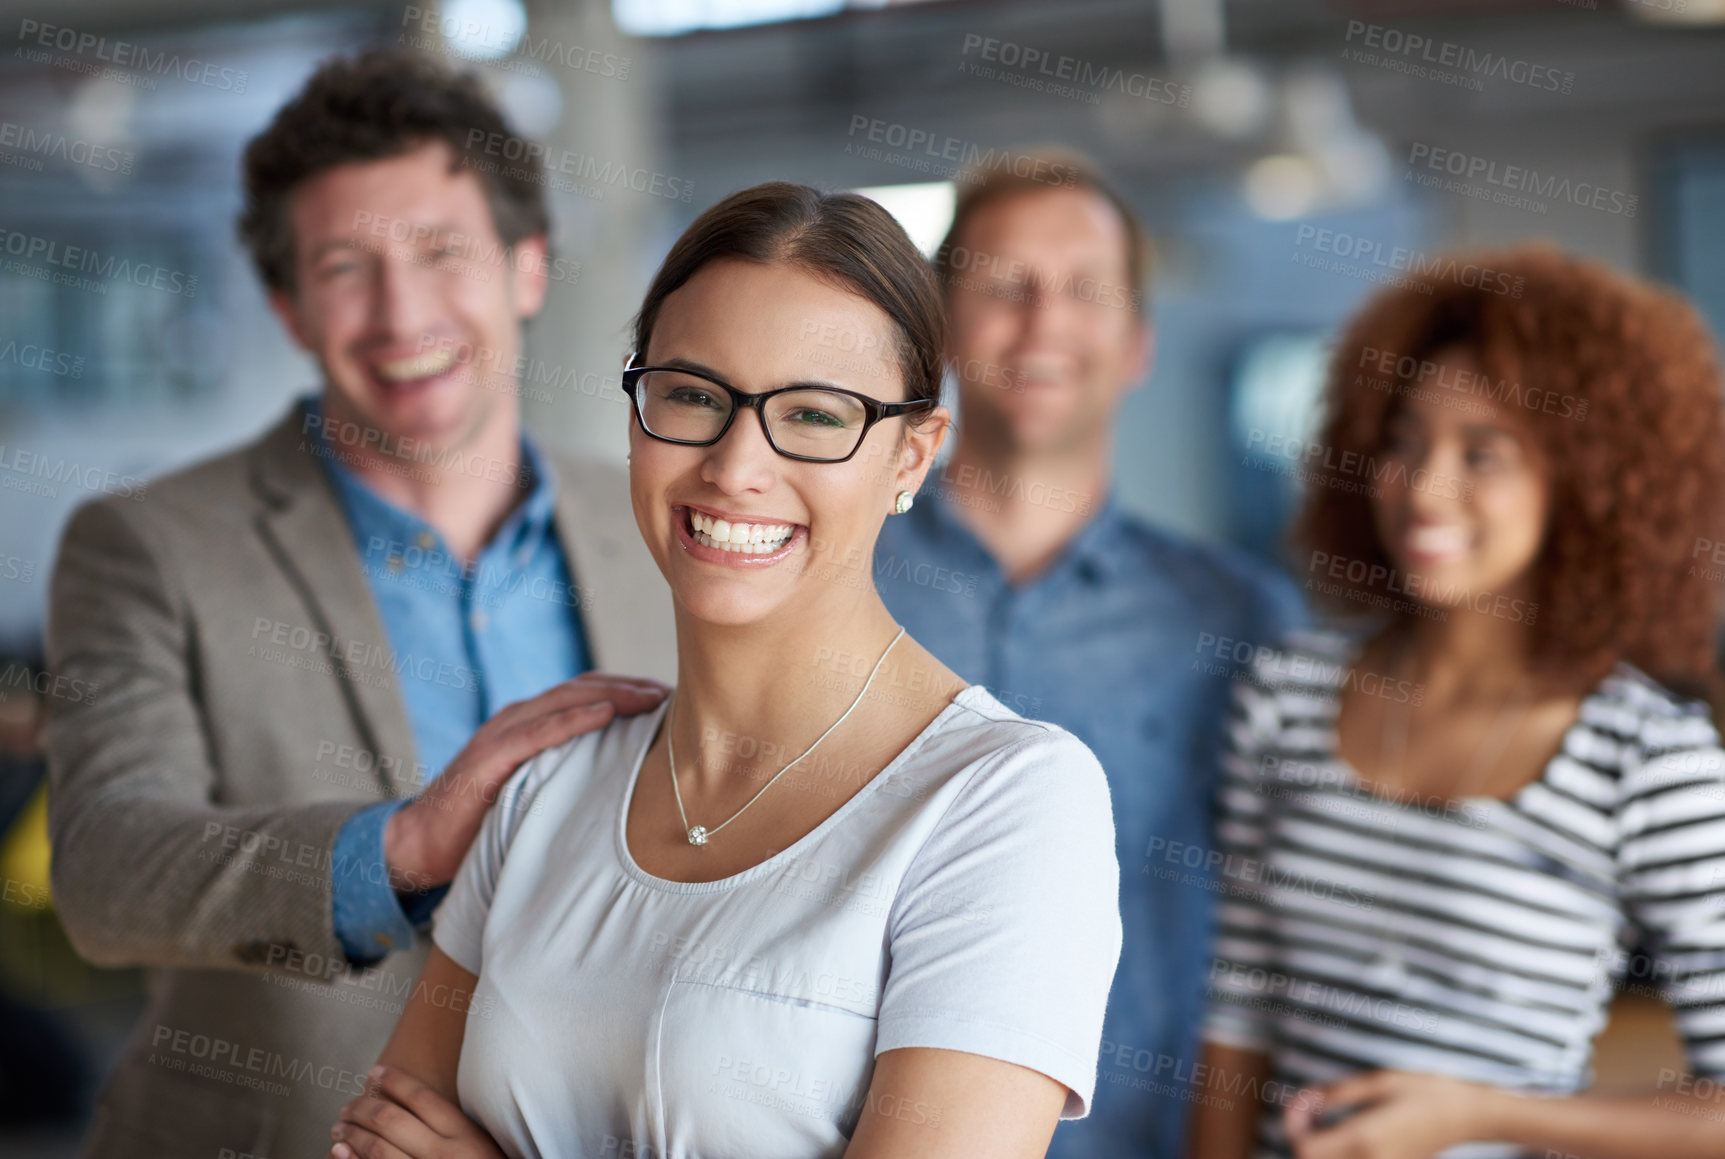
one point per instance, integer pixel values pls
(828, 899)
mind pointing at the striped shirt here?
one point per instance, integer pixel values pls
(1476, 938)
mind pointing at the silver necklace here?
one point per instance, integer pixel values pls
(699, 834)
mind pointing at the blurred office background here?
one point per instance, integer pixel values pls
(1282, 152)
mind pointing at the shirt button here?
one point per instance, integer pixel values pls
(426, 540)
(480, 620)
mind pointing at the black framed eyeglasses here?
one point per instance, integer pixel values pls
(812, 424)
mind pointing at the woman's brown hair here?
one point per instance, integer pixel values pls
(1617, 382)
(841, 238)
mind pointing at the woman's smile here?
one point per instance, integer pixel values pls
(734, 540)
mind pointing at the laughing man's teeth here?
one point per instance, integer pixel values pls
(746, 538)
(1438, 540)
(432, 362)
(1045, 370)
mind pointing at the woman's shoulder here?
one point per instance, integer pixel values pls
(1653, 761)
(1015, 759)
(557, 778)
(1638, 705)
(990, 726)
(1653, 736)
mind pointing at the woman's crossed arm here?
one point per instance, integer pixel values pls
(921, 1103)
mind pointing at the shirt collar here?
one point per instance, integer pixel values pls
(530, 522)
(1103, 543)
(520, 534)
(1101, 546)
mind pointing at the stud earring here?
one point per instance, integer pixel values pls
(903, 502)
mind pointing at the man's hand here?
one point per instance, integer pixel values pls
(1398, 1115)
(426, 839)
(400, 1117)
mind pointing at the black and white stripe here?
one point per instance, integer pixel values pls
(1480, 939)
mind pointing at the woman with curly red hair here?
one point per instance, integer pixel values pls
(1446, 828)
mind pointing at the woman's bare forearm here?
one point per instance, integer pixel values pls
(1671, 1126)
(426, 1042)
(1225, 1121)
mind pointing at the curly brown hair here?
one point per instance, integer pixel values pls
(372, 107)
(1618, 384)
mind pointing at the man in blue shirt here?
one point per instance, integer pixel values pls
(501, 626)
(308, 648)
(1018, 567)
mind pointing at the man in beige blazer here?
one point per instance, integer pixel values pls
(263, 688)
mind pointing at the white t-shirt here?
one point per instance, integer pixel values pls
(966, 898)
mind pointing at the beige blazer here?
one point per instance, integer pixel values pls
(228, 703)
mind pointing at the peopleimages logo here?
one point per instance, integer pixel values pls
(84, 260)
(122, 54)
(442, 31)
(1406, 375)
(1355, 471)
(1426, 58)
(1506, 182)
(931, 152)
(59, 147)
(1367, 578)
(987, 268)
(35, 357)
(529, 155)
(1039, 70)
(20, 470)
(1399, 259)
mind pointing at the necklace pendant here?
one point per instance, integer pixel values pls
(698, 835)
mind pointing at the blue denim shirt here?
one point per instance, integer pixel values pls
(474, 638)
(1128, 640)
